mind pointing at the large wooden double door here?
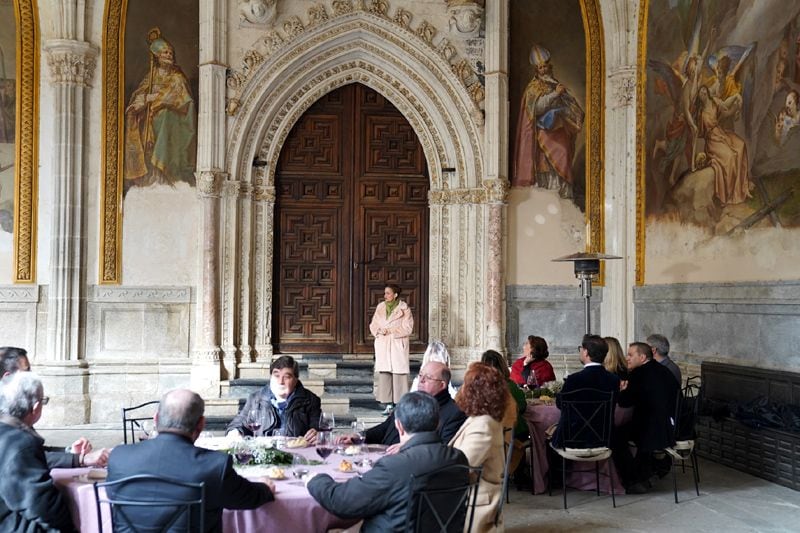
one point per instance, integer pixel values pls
(351, 215)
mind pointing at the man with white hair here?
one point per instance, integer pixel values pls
(29, 501)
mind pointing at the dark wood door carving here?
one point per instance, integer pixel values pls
(351, 214)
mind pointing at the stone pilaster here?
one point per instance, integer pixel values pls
(72, 65)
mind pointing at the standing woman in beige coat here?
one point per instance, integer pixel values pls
(391, 326)
(483, 398)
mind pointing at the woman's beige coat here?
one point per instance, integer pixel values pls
(481, 440)
(392, 349)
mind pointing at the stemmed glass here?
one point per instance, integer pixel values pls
(253, 420)
(326, 421)
(324, 445)
(358, 436)
(299, 467)
(148, 428)
(242, 452)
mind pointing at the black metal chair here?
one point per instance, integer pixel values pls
(443, 500)
(684, 449)
(134, 417)
(161, 504)
(584, 433)
(509, 448)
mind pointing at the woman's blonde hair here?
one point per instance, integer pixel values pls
(615, 359)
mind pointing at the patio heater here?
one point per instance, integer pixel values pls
(587, 267)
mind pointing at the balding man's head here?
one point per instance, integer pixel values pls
(434, 377)
(180, 411)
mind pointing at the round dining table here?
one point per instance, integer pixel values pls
(292, 510)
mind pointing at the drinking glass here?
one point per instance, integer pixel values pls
(253, 420)
(148, 428)
(359, 432)
(299, 467)
(326, 421)
(324, 445)
(243, 452)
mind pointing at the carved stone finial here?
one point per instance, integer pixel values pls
(258, 12)
(342, 7)
(426, 31)
(293, 26)
(402, 17)
(379, 7)
(317, 15)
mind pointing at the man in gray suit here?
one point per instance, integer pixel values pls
(660, 346)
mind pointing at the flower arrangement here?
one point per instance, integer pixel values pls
(549, 389)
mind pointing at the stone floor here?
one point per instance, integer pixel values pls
(729, 501)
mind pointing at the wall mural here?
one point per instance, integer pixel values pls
(720, 153)
(151, 79)
(556, 93)
(19, 80)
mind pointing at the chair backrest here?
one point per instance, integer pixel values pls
(133, 417)
(443, 500)
(509, 452)
(686, 409)
(146, 503)
(587, 418)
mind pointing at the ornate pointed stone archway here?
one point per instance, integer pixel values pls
(387, 55)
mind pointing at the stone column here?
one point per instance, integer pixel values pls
(620, 23)
(206, 374)
(71, 63)
(496, 182)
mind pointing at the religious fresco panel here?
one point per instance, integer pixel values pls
(720, 155)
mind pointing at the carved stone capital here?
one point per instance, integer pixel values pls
(457, 196)
(264, 194)
(623, 86)
(496, 190)
(209, 183)
(71, 62)
(206, 355)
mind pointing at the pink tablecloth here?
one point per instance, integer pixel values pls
(293, 509)
(539, 418)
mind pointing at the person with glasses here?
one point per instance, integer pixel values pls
(434, 377)
(29, 501)
(436, 351)
(77, 454)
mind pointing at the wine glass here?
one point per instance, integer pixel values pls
(148, 428)
(359, 432)
(299, 467)
(253, 420)
(326, 421)
(242, 452)
(324, 445)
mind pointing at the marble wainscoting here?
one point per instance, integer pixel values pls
(138, 345)
(751, 324)
(554, 312)
(19, 316)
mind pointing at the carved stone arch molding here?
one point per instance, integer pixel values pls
(356, 47)
(26, 158)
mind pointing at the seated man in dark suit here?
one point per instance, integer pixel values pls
(651, 390)
(593, 351)
(381, 497)
(28, 499)
(283, 405)
(172, 454)
(434, 379)
(79, 453)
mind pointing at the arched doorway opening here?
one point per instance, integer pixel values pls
(351, 214)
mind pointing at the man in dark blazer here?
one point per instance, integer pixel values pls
(592, 352)
(434, 379)
(172, 454)
(652, 391)
(381, 497)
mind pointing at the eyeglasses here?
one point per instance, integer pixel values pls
(423, 378)
(45, 400)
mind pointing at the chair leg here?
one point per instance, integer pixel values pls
(611, 479)
(674, 479)
(564, 479)
(597, 475)
(530, 465)
(696, 473)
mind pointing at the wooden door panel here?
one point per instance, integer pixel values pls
(392, 146)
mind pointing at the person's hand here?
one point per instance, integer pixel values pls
(393, 449)
(82, 446)
(268, 482)
(344, 439)
(233, 434)
(97, 458)
(311, 436)
(623, 384)
(560, 89)
(528, 360)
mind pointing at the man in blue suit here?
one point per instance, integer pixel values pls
(593, 350)
(172, 454)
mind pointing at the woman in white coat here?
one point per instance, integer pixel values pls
(391, 326)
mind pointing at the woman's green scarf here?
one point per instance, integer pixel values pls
(390, 307)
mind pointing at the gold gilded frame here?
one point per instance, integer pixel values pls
(112, 141)
(26, 144)
(594, 127)
(641, 94)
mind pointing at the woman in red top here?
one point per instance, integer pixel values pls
(534, 357)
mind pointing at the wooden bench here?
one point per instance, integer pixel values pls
(767, 453)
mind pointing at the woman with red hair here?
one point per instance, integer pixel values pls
(483, 398)
(532, 369)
